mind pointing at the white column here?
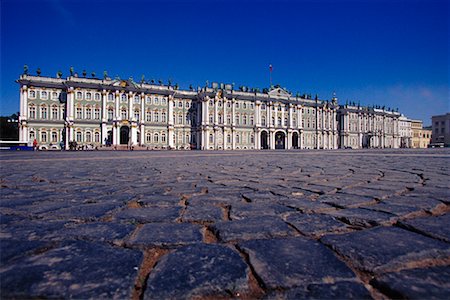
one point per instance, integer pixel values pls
(104, 113)
(224, 139)
(300, 137)
(216, 112)
(272, 139)
(291, 114)
(130, 106)
(269, 115)
(117, 117)
(170, 122)
(70, 104)
(258, 114)
(224, 114)
(289, 140)
(299, 116)
(104, 134)
(142, 136)
(233, 138)
(233, 118)
(282, 117)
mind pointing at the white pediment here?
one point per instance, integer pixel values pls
(279, 92)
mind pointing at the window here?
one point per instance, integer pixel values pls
(252, 120)
(88, 96)
(211, 118)
(32, 94)
(211, 103)
(32, 136)
(123, 98)
(44, 112)
(180, 119)
(88, 137)
(244, 105)
(180, 104)
(78, 137)
(251, 105)
(156, 116)
(228, 138)
(279, 121)
(110, 113)
(228, 119)
(44, 137)
(237, 138)
(237, 119)
(263, 106)
(220, 119)
(54, 113)
(137, 114)
(156, 137)
(263, 120)
(252, 139)
(244, 119)
(54, 95)
(97, 113)
(110, 97)
(123, 113)
(188, 104)
(285, 121)
(148, 116)
(97, 137)
(163, 117)
(97, 96)
(163, 137)
(44, 95)
(148, 100)
(88, 113)
(32, 112)
(148, 137)
(54, 137)
(228, 104)
(163, 101)
(211, 138)
(79, 113)
(79, 95)
(156, 101)
(237, 104)
(136, 99)
(279, 108)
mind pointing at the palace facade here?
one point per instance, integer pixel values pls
(104, 112)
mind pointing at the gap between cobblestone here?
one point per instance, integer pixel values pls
(256, 285)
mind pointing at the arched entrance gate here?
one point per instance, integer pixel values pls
(280, 140)
(264, 140)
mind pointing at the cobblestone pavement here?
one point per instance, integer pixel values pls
(262, 224)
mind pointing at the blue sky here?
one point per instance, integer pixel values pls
(393, 53)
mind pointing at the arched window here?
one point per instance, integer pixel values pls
(252, 120)
(220, 119)
(32, 135)
(180, 104)
(78, 137)
(88, 137)
(79, 113)
(97, 96)
(97, 137)
(32, 94)
(44, 95)
(88, 96)
(228, 138)
(263, 120)
(97, 113)
(211, 118)
(211, 103)
(54, 136)
(137, 114)
(163, 137)
(156, 116)
(164, 117)
(244, 119)
(148, 137)
(279, 121)
(123, 113)
(54, 112)
(54, 95)
(136, 99)
(211, 138)
(228, 119)
(110, 113)
(110, 97)
(237, 118)
(32, 112)
(156, 137)
(88, 113)
(228, 104)
(237, 138)
(43, 112)
(252, 139)
(148, 116)
(263, 106)
(244, 105)
(44, 137)
(123, 97)
(148, 100)
(79, 95)
(180, 118)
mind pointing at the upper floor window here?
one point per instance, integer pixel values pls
(244, 119)
(123, 98)
(263, 106)
(97, 113)
(32, 93)
(163, 116)
(188, 104)
(137, 114)
(251, 105)
(228, 104)
(237, 104)
(136, 99)
(110, 97)
(54, 95)
(180, 104)
(79, 113)
(88, 113)
(156, 101)
(32, 112)
(244, 105)
(54, 113)
(148, 100)
(44, 112)
(164, 101)
(263, 120)
(123, 114)
(110, 113)
(88, 96)
(148, 116)
(97, 96)
(79, 95)
(180, 119)
(44, 95)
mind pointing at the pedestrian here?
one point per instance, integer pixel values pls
(61, 145)
(35, 145)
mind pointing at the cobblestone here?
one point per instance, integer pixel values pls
(258, 224)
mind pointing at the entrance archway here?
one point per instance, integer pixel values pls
(264, 140)
(109, 138)
(279, 140)
(124, 135)
(295, 140)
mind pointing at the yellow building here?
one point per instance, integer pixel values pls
(420, 137)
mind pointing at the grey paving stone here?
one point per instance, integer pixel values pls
(201, 270)
(428, 283)
(363, 217)
(148, 214)
(243, 210)
(159, 200)
(339, 290)
(368, 192)
(251, 228)
(100, 232)
(34, 230)
(75, 270)
(294, 262)
(205, 213)
(10, 248)
(315, 224)
(166, 234)
(82, 212)
(436, 227)
(398, 210)
(424, 202)
(383, 249)
(346, 200)
(306, 205)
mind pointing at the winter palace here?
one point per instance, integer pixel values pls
(117, 113)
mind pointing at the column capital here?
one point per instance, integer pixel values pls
(104, 92)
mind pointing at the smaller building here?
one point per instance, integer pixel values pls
(421, 137)
(405, 131)
(440, 126)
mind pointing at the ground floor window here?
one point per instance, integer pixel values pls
(78, 137)
(97, 137)
(44, 137)
(54, 137)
